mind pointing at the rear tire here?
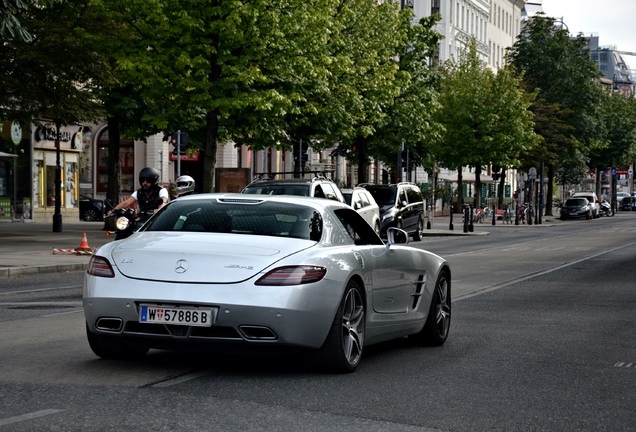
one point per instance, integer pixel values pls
(111, 348)
(417, 235)
(343, 347)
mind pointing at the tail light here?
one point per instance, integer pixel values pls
(100, 267)
(293, 275)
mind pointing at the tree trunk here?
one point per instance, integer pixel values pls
(460, 192)
(500, 188)
(209, 152)
(362, 147)
(549, 202)
(113, 188)
(478, 186)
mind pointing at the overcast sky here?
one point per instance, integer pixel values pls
(612, 20)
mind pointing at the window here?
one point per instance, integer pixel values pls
(126, 164)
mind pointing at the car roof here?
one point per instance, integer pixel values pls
(317, 203)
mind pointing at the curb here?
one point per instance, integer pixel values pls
(8, 272)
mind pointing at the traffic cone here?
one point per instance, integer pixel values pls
(84, 245)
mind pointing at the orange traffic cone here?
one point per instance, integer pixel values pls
(84, 245)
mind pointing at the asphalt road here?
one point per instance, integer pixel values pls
(542, 339)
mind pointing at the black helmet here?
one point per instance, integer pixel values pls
(149, 174)
(185, 184)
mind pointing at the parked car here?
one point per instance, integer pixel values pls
(578, 207)
(264, 272)
(593, 199)
(401, 206)
(363, 202)
(628, 204)
(319, 187)
(91, 209)
(620, 196)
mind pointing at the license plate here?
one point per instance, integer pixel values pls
(188, 316)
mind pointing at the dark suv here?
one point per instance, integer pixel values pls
(319, 187)
(401, 206)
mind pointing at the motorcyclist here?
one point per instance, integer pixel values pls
(185, 185)
(147, 195)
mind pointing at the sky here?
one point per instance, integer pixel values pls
(611, 20)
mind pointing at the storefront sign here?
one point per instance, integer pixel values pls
(48, 134)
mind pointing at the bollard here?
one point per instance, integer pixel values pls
(450, 225)
(466, 210)
(428, 217)
(471, 220)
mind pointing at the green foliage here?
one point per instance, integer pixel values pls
(48, 77)
(10, 25)
(566, 78)
(410, 115)
(619, 117)
(485, 115)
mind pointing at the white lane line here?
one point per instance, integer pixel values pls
(28, 416)
(537, 274)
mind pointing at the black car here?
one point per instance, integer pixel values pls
(91, 209)
(401, 206)
(577, 207)
(628, 204)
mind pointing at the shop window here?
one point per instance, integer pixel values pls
(125, 168)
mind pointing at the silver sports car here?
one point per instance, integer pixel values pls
(278, 271)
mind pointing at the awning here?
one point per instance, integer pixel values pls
(468, 177)
(8, 155)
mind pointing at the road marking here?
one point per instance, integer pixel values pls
(537, 274)
(28, 416)
(41, 290)
(179, 380)
(624, 364)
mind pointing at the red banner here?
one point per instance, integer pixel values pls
(185, 158)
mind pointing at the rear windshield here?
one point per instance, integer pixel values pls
(383, 195)
(239, 217)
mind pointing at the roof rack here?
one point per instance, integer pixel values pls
(272, 175)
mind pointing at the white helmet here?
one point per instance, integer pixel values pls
(185, 185)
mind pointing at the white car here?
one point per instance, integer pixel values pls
(263, 271)
(363, 202)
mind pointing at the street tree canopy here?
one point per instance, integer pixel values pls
(485, 115)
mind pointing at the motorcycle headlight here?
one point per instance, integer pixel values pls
(122, 223)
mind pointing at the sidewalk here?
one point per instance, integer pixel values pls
(27, 247)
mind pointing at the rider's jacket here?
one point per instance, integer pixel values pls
(146, 196)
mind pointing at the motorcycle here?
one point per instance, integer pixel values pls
(606, 209)
(126, 221)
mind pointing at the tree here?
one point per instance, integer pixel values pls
(10, 25)
(619, 119)
(410, 118)
(566, 79)
(485, 116)
(47, 79)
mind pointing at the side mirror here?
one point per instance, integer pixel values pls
(109, 203)
(396, 236)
